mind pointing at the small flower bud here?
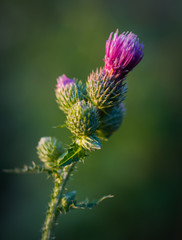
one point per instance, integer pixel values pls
(68, 92)
(49, 149)
(82, 119)
(104, 90)
(110, 121)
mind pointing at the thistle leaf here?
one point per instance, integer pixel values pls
(89, 205)
(28, 169)
(68, 202)
(73, 154)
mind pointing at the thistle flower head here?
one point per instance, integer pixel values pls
(63, 81)
(123, 53)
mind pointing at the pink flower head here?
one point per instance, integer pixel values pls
(63, 81)
(123, 53)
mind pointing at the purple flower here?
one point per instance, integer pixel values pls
(123, 53)
(62, 81)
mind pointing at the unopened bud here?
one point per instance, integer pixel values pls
(104, 90)
(82, 119)
(68, 92)
(49, 149)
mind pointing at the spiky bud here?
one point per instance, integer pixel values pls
(68, 92)
(123, 53)
(105, 90)
(49, 149)
(83, 121)
(110, 121)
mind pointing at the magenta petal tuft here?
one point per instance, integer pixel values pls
(63, 80)
(123, 53)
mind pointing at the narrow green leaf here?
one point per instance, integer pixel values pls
(68, 202)
(73, 154)
(28, 169)
(90, 205)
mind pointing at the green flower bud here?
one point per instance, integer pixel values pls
(49, 149)
(68, 92)
(110, 121)
(82, 119)
(104, 90)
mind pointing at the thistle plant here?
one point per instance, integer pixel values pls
(94, 111)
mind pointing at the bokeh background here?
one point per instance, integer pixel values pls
(140, 165)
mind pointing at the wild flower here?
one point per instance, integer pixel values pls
(93, 113)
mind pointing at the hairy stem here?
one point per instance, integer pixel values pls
(60, 182)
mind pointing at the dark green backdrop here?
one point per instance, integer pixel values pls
(140, 165)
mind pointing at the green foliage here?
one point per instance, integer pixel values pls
(68, 202)
(29, 169)
(73, 154)
(89, 205)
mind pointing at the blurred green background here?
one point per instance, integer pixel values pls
(140, 165)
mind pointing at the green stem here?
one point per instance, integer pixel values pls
(60, 182)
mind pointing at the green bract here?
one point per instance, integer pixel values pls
(90, 143)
